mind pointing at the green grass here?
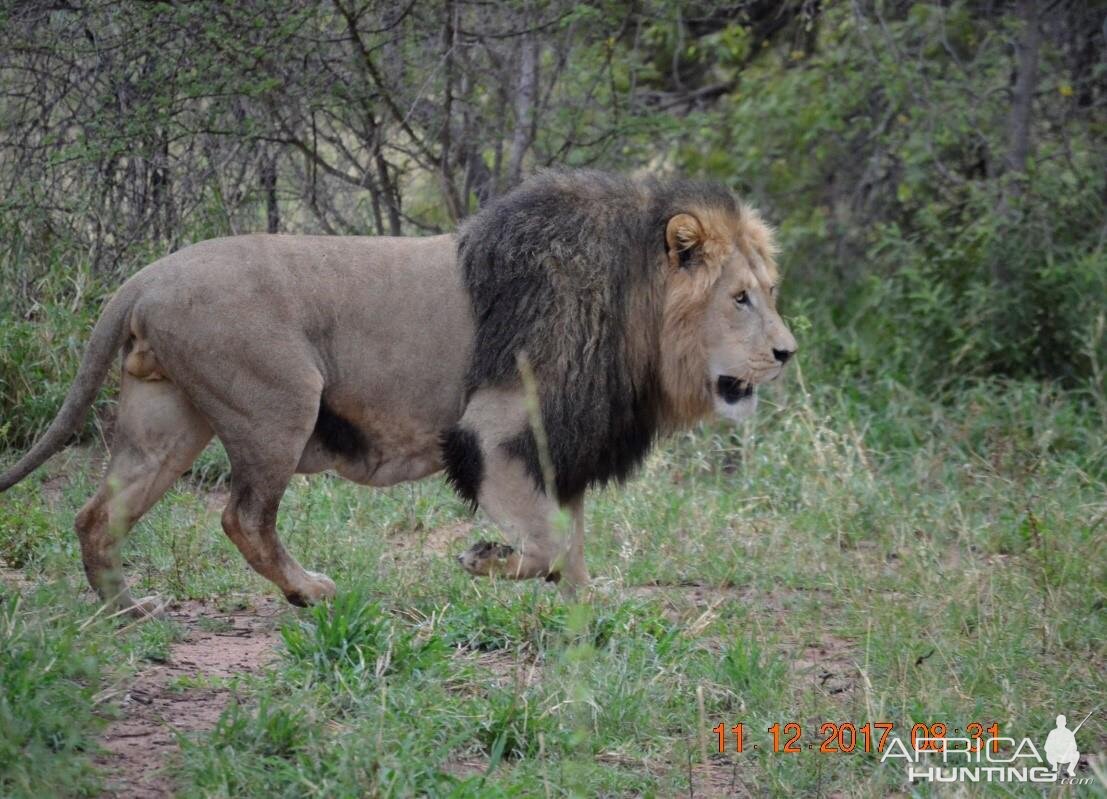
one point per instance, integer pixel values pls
(62, 665)
(850, 556)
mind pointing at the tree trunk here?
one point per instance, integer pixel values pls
(1026, 83)
(1022, 102)
(525, 93)
(391, 194)
(269, 186)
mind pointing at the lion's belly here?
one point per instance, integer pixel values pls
(376, 449)
(398, 451)
(389, 469)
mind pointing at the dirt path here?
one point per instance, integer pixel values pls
(185, 694)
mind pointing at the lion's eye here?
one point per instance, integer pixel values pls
(742, 298)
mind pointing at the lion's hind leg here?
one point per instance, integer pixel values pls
(264, 455)
(157, 437)
(250, 521)
(263, 402)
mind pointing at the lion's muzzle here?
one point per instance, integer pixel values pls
(731, 389)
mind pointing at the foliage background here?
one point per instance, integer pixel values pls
(937, 170)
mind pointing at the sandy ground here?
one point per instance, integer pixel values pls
(185, 694)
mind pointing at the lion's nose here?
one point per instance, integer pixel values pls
(783, 355)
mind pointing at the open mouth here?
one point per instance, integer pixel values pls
(731, 389)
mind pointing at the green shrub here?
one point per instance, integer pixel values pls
(271, 729)
(915, 251)
(753, 674)
(50, 671)
(213, 468)
(38, 361)
(511, 726)
(353, 634)
(25, 527)
(529, 618)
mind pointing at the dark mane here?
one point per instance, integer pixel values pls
(569, 269)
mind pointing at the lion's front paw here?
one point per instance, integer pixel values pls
(486, 558)
(314, 589)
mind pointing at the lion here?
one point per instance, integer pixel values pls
(622, 308)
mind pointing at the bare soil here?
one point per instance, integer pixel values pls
(14, 578)
(186, 694)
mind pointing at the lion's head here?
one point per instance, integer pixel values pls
(640, 306)
(721, 333)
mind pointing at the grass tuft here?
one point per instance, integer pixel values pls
(353, 634)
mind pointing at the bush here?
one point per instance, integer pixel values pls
(50, 670)
(981, 296)
(353, 634)
(24, 530)
(512, 726)
(38, 361)
(918, 252)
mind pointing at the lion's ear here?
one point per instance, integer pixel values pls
(683, 236)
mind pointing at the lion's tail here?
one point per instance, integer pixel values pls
(108, 336)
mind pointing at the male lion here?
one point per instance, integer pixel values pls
(638, 306)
